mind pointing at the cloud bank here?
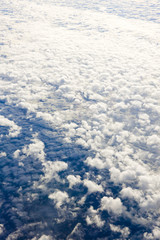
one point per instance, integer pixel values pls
(79, 115)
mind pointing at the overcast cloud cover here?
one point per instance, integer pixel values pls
(79, 119)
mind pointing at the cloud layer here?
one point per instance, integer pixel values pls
(80, 117)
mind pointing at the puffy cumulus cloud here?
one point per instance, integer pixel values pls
(52, 118)
(73, 180)
(125, 176)
(124, 231)
(154, 235)
(149, 184)
(52, 168)
(14, 130)
(96, 162)
(94, 76)
(16, 154)
(112, 205)
(153, 140)
(93, 217)
(131, 193)
(82, 142)
(3, 154)
(59, 198)
(156, 232)
(151, 202)
(35, 150)
(92, 186)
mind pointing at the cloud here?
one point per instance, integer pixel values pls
(81, 142)
(59, 198)
(52, 168)
(14, 130)
(154, 235)
(94, 218)
(96, 162)
(153, 140)
(151, 202)
(44, 237)
(1, 229)
(92, 78)
(112, 205)
(122, 177)
(16, 154)
(77, 232)
(35, 150)
(73, 180)
(92, 186)
(3, 154)
(131, 193)
(124, 231)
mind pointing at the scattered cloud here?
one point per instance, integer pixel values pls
(92, 186)
(89, 74)
(3, 154)
(124, 231)
(112, 205)
(73, 180)
(14, 130)
(94, 218)
(59, 198)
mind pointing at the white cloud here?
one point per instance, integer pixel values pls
(131, 193)
(112, 205)
(59, 198)
(153, 140)
(96, 162)
(14, 130)
(94, 218)
(81, 142)
(151, 202)
(1, 229)
(124, 231)
(52, 168)
(94, 76)
(77, 232)
(92, 186)
(43, 237)
(154, 235)
(35, 149)
(73, 180)
(3, 154)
